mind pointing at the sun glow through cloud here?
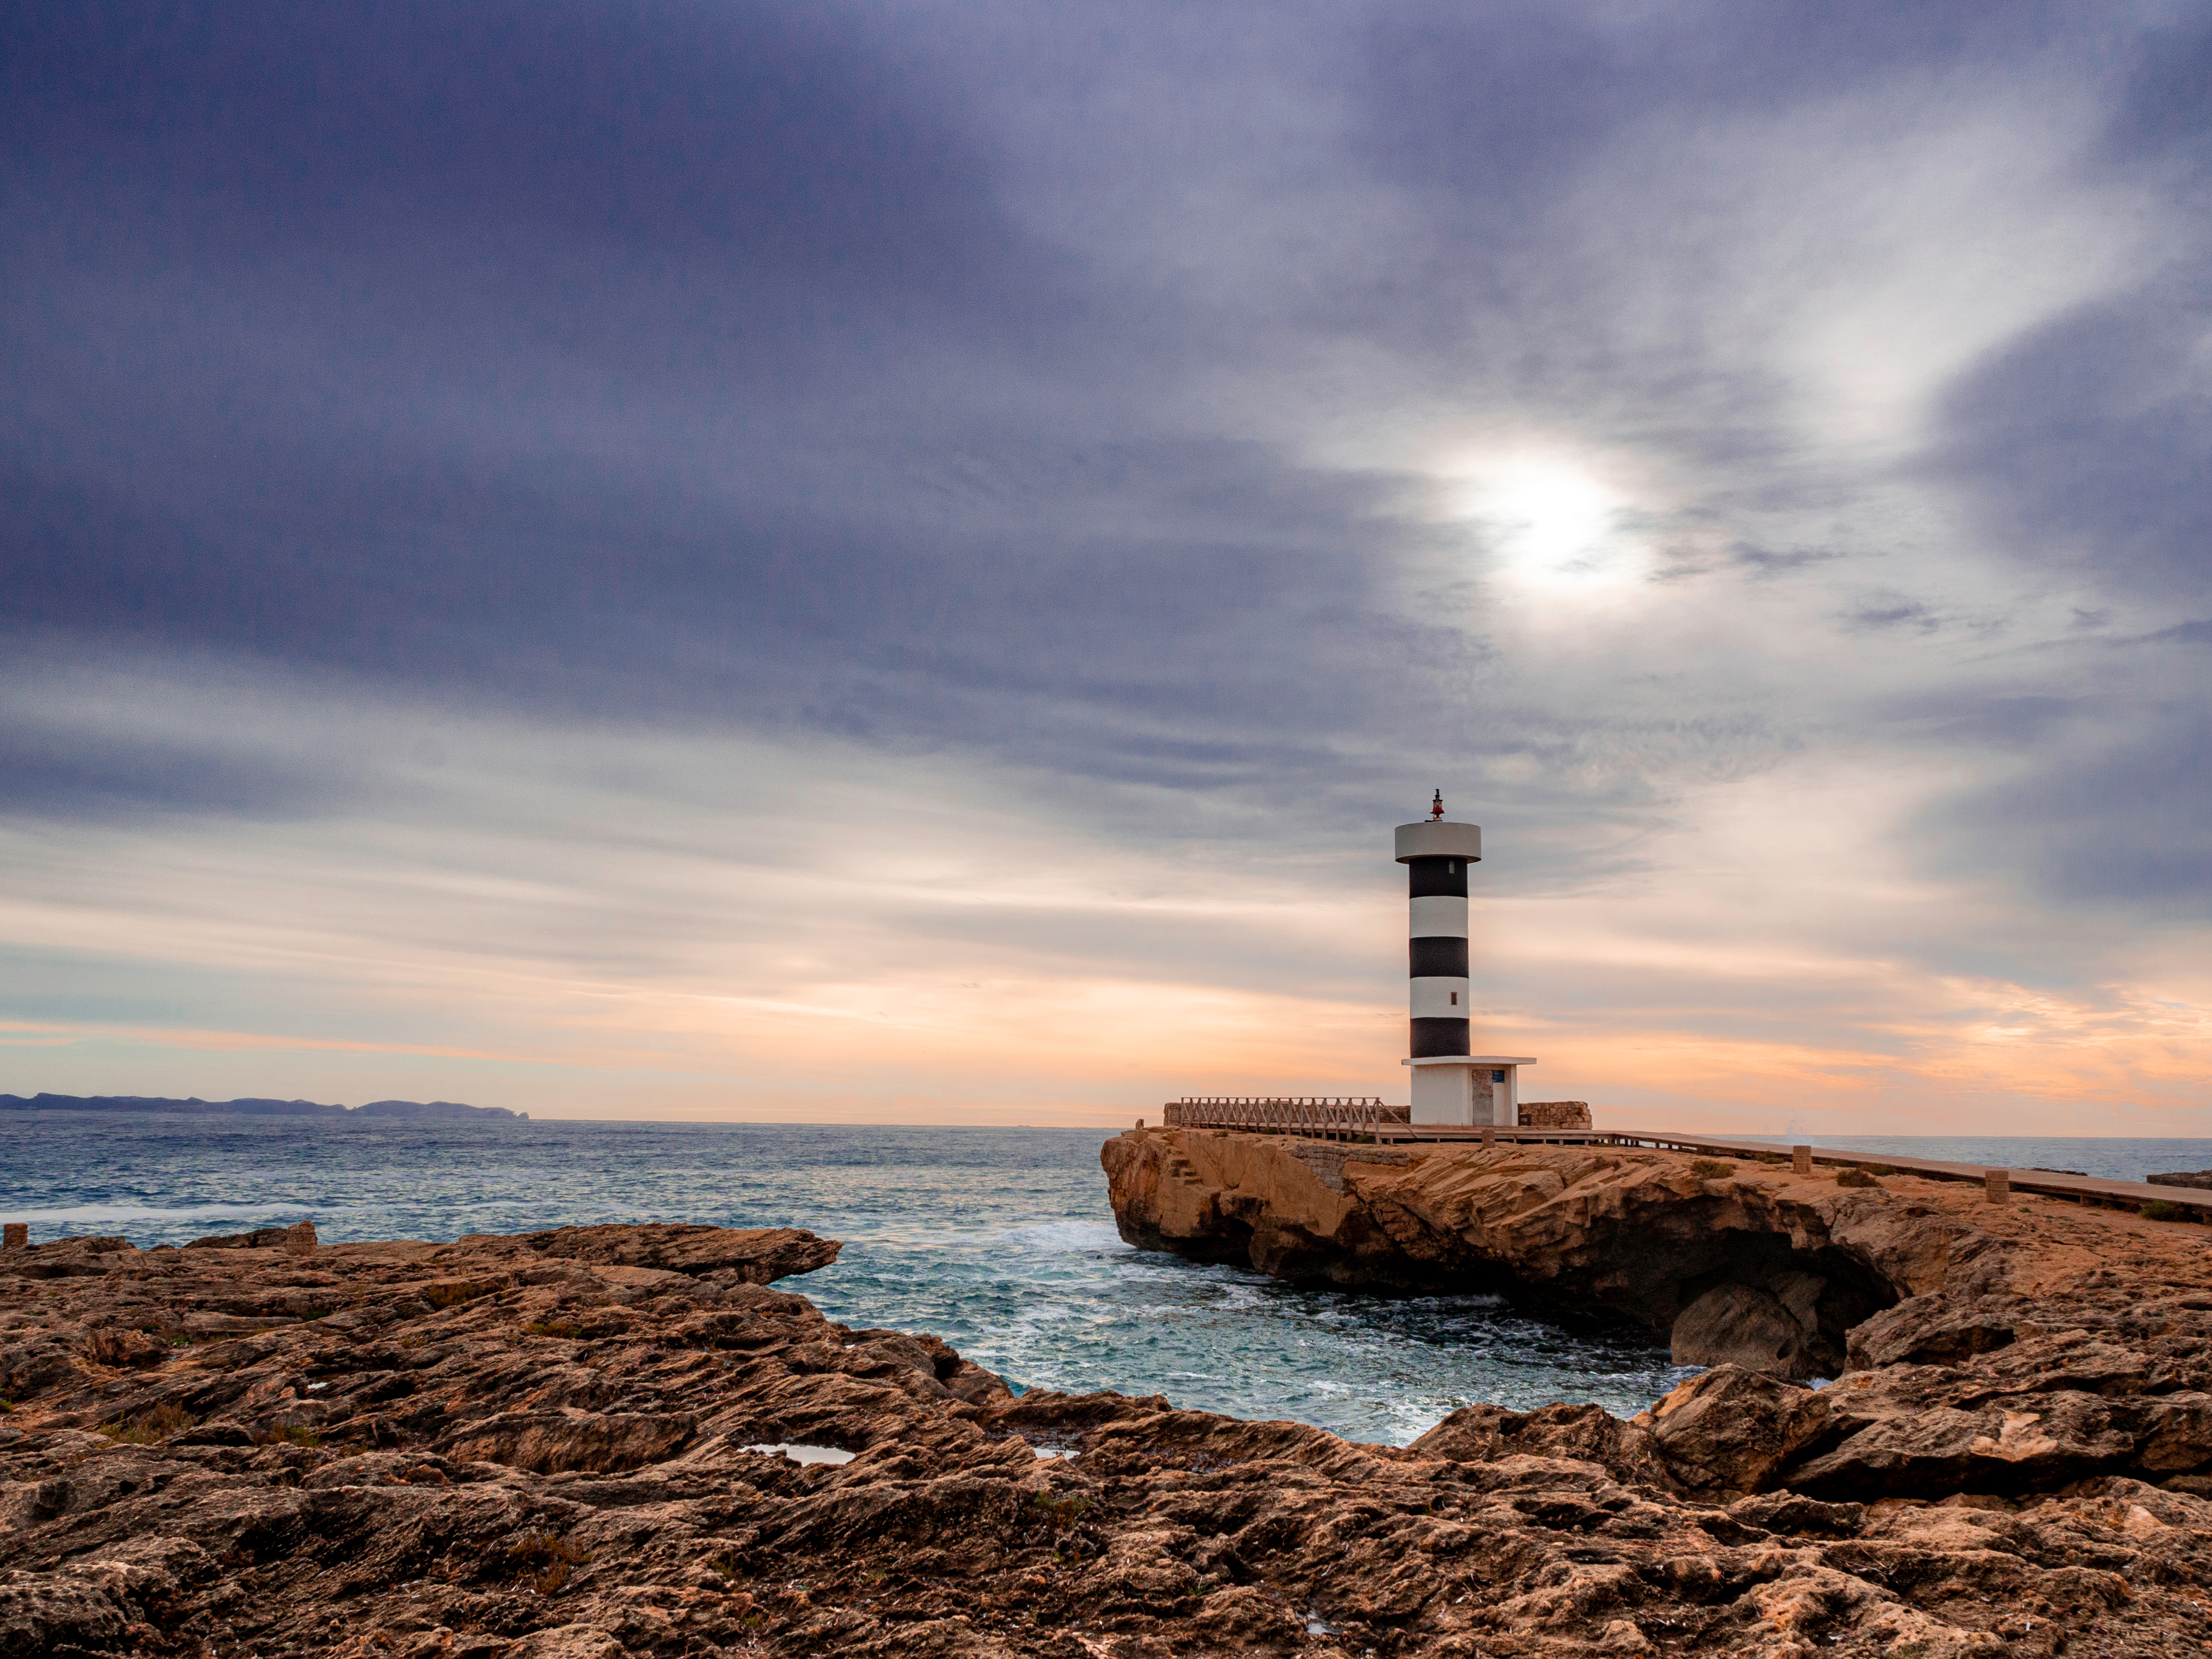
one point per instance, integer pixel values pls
(1555, 527)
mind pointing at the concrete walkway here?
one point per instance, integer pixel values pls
(2081, 1190)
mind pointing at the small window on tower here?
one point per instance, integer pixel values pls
(1498, 1077)
(1455, 999)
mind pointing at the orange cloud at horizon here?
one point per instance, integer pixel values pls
(1114, 1051)
(1002, 967)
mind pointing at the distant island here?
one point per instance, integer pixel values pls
(443, 1110)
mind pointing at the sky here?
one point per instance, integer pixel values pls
(900, 563)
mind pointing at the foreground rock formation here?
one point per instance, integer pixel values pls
(548, 1447)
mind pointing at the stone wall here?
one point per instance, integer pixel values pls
(1555, 1115)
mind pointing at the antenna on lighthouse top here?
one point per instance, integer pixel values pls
(1437, 807)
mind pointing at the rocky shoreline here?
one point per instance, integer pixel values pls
(1975, 1347)
(564, 1446)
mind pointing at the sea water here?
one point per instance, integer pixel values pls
(1000, 1241)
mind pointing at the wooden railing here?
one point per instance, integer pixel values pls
(1286, 1113)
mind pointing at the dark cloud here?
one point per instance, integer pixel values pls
(66, 774)
(1984, 721)
(1500, 104)
(2121, 816)
(593, 358)
(1883, 612)
(2087, 441)
(2089, 444)
(693, 362)
(2192, 632)
(1769, 561)
(2165, 120)
(575, 587)
(771, 136)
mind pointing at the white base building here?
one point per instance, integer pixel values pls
(1468, 1089)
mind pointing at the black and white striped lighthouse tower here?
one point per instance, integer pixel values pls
(1451, 1083)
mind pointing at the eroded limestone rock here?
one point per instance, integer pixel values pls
(1642, 1234)
(1979, 1348)
(1742, 1325)
(491, 1449)
(755, 1255)
(1483, 1434)
(1734, 1429)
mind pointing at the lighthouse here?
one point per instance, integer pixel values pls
(1452, 1084)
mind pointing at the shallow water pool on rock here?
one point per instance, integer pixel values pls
(798, 1453)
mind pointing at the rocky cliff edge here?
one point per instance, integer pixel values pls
(1975, 1348)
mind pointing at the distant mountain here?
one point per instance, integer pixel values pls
(447, 1110)
(422, 1108)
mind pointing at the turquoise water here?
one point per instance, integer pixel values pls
(1001, 1241)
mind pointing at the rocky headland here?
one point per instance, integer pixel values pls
(564, 1446)
(449, 1111)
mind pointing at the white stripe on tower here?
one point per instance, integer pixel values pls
(1437, 997)
(1438, 915)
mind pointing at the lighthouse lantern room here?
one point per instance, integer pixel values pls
(1451, 1084)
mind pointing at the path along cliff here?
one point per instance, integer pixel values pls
(562, 1446)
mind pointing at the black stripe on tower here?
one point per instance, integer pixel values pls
(1437, 956)
(1438, 1036)
(1436, 877)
